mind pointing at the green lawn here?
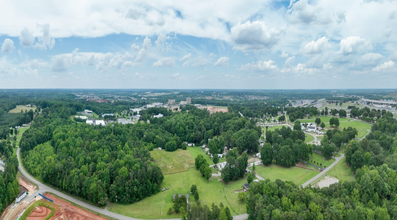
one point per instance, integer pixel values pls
(308, 138)
(212, 191)
(173, 162)
(195, 151)
(341, 171)
(294, 174)
(21, 107)
(320, 159)
(20, 133)
(272, 128)
(324, 119)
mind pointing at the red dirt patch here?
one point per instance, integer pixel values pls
(39, 213)
(68, 211)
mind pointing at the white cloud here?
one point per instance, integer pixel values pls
(26, 38)
(143, 52)
(303, 12)
(164, 62)
(354, 44)
(196, 62)
(34, 63)
(394, 56)
(388, 32)
(259, 66)
(284, 54)
(7, 46)
(371, 59)
(254, 36)
(212, 55)
(60, 63)
(389, 65)
(161, 41)
(316, 47)
(45, 40)
(223, 61)
(134, 47)
(392, 15)
(186, 57)
(288, 62)
(341, 16)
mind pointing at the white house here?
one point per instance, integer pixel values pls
(221, 165)
(258, 155)
(158, 116)
(81, 117)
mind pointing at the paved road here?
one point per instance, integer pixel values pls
(337, 159)
(44, 188)
(314, 136)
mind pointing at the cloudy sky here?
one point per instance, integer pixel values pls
(198, 44)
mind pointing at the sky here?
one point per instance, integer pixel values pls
(224, 44)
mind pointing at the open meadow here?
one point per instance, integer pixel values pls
(20, 108)
(210, 191)
(341, 171)
(295, 174)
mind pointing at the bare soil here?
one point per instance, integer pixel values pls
(327, 181)
(27, 185)
(39, 213)
(68, 211)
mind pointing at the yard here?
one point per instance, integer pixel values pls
(308, 138)
(21, 107)
(173, 162)
(341, 171)
(320, 160)
(195, 151)
(212, 191)
(294, 174)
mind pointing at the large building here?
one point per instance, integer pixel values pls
(171, 101)
(188, 101)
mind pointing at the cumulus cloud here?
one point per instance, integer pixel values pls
(289, 60)
(45, 40)
(134, 47)
(34, 63)
(259, 66)
(143, 52)
(60, 63)
(354, 44)
(284, 54)
(394, 56)
(7, 46)
(388, 32)
(254, 36)
(315, 47)
(161, 40)
(164, 62)
(392, 15)
(26, 38)
(223, 61)
(370, 59)
(186, 57)
(389, 65)
(196, 62)
(303, 12)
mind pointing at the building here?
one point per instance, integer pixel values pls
(246, 187)
(158, 116)
(81, 117)
(21, 196)
(137, 110)
(95, 122)
(311, 128)
(179, 195)
(88, 112)
(221, 165)
(171, 101)
(188, 101)
(125, 121)
(183, 102)
(107, 114)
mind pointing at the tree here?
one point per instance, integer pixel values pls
(332, 121)
(322, 125)
(267, 154)
(367, 157)
(318, 121)
(357, 160)
(215, 158)
(193, 189)
(250, 177)
(297, 126)
(196, 196)
(241, 196)
(281, 118)
(253, 167)
(336, 122)
(208, 173)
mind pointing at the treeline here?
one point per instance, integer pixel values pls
(200, 211)
(371, 196)
(9, 187)
(286, 147)
(10, 120)
(258, 109)
(301, 112)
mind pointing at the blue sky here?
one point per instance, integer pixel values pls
(199, 44)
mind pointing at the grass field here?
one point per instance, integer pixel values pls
(21, 107)
(308, 138)
(212, 191)
(324, 119)
(294, 174)
(173, 162)
(341, 171)
(272, 128)
(320, 159)
(195, 151)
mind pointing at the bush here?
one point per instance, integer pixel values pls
(169, 211)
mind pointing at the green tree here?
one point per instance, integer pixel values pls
(267, 154)
(322, 125)
(250, 177)
(318, 121)
(215, 158)
(357, 160)
(367, 157)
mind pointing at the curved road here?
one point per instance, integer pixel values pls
(44, 188)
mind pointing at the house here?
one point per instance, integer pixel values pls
(21, 196)
(107, 114)
(204, 146)
(221, 165)
(158, 116)
(220, 155)
(311, 128)
(81, 117)
(179, 195)
(88, 112)
(246, 187)
(206, 150)
(137, 110)
(95, 122)
(258, 155)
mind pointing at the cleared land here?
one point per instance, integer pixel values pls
(294, 174)
(195, 151)
(327, 181)
(317, 158)
(341, 171)
(212, 191)
(21, 107)
(173, 162)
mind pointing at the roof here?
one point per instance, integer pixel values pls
(247, 185)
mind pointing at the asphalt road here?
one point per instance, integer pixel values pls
(337, 159)
(44, 188)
